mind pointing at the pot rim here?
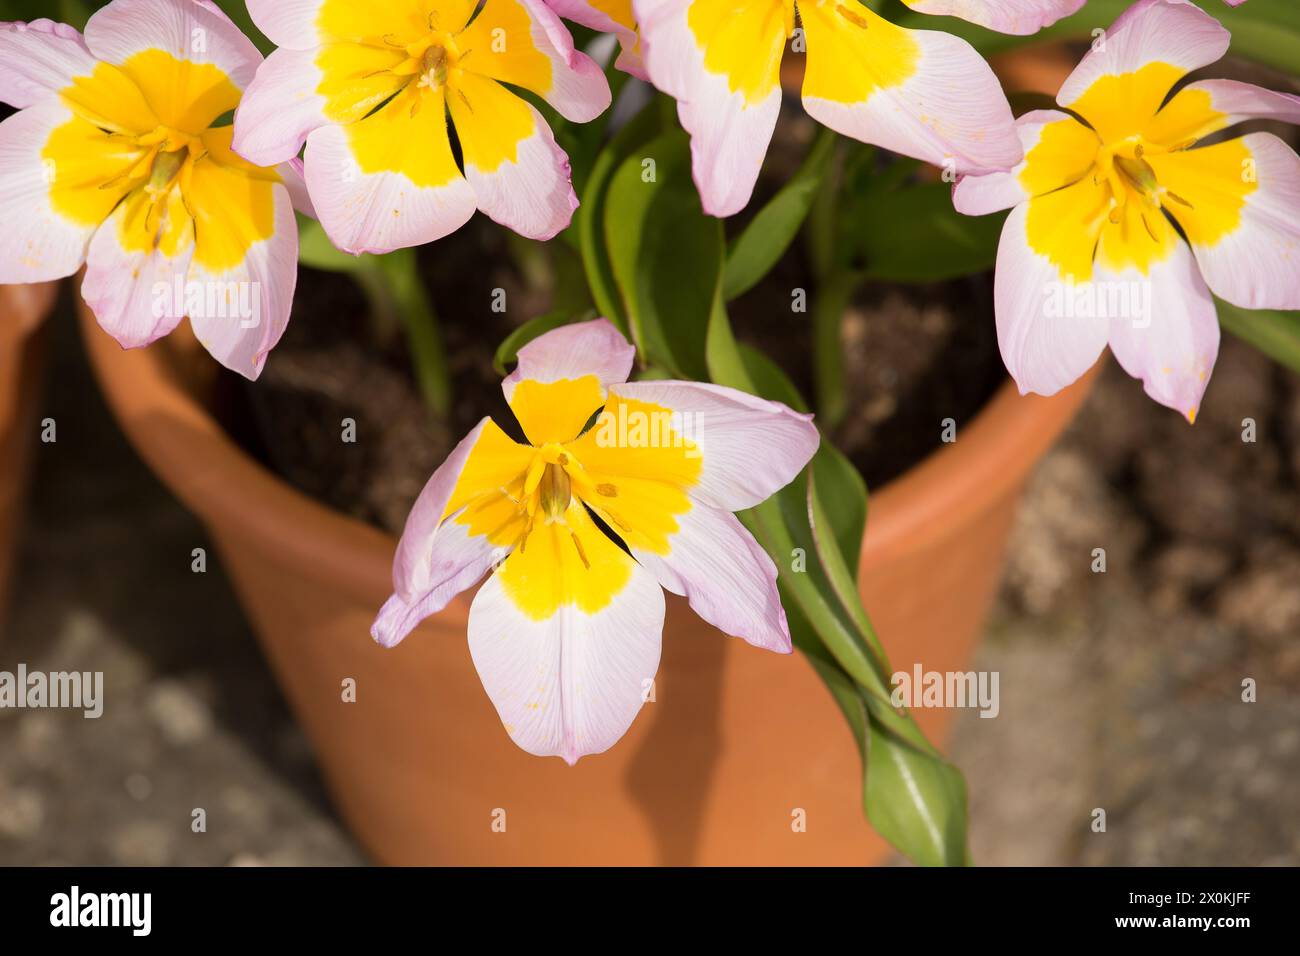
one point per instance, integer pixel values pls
(227, 489)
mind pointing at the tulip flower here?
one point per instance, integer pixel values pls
(1090, 255)
(115, 161)
(367, 85)
(917, 92)
(579, 528)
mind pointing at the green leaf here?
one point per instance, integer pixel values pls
(831, 298)
(913, 234)
(770, 379)
(1276, 334)
(915, 799)
(590, 219)
(767, 236)
(508, 350)
(317, 251)
(665, 253)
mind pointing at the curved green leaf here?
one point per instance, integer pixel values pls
(665, 254)
(768, 235)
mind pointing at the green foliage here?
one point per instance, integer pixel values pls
(665, 254)
(767, 236)
(1276, 334)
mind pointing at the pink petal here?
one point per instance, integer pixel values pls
(1043, 347)
(280, 108)
(288, 23)
(571, 684)
(729, 134)
(1151, 31)
(1018, 17)
(577, 88)
(37, 243)
(137, 296)
(589, 15)
(571, 352)
(1257, 265)
(978, 195)
(728, 425)
(382, 211)
(729, 580)
(187, 30)
(39, 59)
(951, 110)
(430, 552)
(1173, 349)
(531, 193)
(264, 282)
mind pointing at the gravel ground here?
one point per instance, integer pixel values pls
(1121, 691)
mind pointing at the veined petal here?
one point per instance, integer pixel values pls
(562, 377)
(519, 175)
(1058, 151)
(1173, 346)
(1044, 259)
(609, 16)
(725, 426)
(434, 547)
(137, 268)
(245, 264)
(294, 178)
(917, 92)
(280, 108)
(523, 43)
(1018, 17)
(39, 59)
(1124, 78)
(51, 167)
(728, 578)
(306, 24)
(567, 642)
(189, 61)
(1202, 108)
(1238, 208)
(388, 181)
(721, 62)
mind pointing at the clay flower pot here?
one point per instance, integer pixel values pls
(711, 772)
(23, 310)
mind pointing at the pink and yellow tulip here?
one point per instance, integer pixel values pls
(579, 529)
(113, 161)
(920, 93)
(367, 86)
(1128, 201)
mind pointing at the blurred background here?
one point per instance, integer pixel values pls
(1120, 690)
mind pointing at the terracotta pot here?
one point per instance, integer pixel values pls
(23, 310)
(709, 773)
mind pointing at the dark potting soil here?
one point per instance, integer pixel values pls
(913, 357)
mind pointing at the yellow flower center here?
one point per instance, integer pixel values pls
(1131, 181)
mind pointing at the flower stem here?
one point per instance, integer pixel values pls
(412, 303)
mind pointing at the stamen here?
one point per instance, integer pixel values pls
(465, 99)
(606, 490)
(1150, 232)
(854, 18)
(582, 554)
(1178, 199)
